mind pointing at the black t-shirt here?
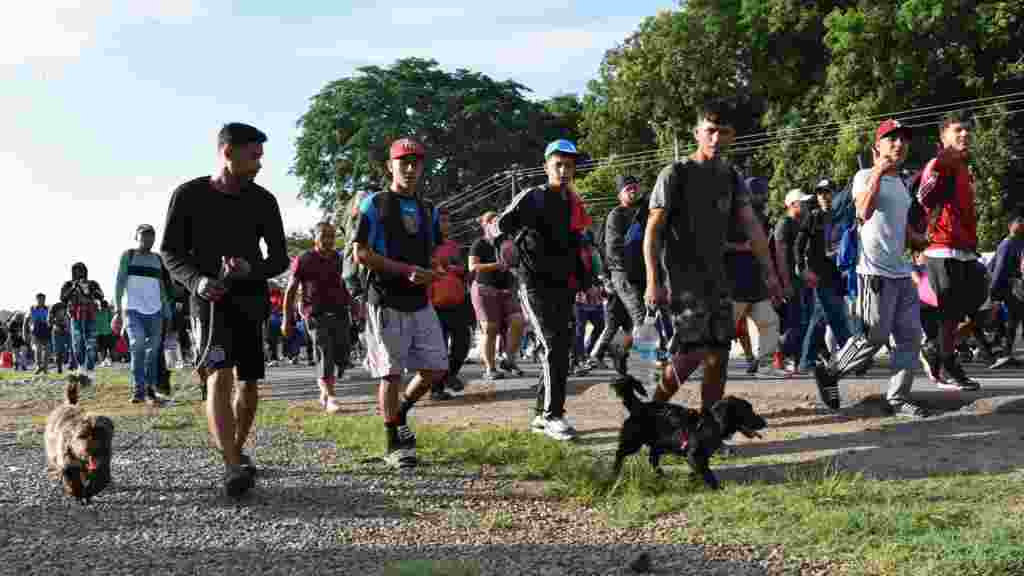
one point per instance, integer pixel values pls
(204, 225)
(785, 233)
(484, 250)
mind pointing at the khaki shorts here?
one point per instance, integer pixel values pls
(399, 341)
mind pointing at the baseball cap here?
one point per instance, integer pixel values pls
(623, 181)
(560, 147)
(888, 127)
(795, 195)
(406, 147)
(825, 184)
(144, 228)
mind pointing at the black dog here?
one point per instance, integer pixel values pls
(673, 429)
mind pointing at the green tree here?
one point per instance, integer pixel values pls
(471, 125)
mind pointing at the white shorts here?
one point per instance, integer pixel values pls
(398, 341)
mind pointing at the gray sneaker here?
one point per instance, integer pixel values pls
(908, 408)
(492, 375)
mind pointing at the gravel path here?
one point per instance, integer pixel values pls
(166, 514)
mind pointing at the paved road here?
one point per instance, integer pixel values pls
(299, 383)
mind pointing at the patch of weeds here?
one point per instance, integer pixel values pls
(502, 520)
(432, 568)
(461, 518)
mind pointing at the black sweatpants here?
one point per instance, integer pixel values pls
(1014, 319)
(330, 334)
(549, 310)
(456, 329)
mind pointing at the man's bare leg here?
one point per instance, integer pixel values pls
(246, 400)
(220, 418)
(676, 372)
(490, 342)
(387, 398)
(515, 337)
(712, 387)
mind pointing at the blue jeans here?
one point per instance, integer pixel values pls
(595, 316)
(829, 307)
(60, 344)
(83, 343)
(145, 341)
(798, 316)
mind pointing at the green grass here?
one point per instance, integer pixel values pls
(959, 525)
(954, 525)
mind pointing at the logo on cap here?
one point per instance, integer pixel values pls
(406, 147)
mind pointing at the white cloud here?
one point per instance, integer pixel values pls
(54, 31)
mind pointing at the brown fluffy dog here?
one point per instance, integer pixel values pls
(78, 447)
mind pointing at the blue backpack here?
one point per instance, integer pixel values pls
(633, 247)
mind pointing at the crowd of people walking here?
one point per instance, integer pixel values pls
(819, 291)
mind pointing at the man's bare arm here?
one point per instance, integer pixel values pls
(656, 219)
(378, 263)
(868, 198)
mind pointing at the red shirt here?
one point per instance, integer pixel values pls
(952, 219)
(322, 287)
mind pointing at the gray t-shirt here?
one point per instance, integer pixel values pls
(883, 237)
(703, 201)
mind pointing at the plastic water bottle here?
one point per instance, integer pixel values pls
(645, 339)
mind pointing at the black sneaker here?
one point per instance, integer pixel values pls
(237, 482)
(958, 379)
(508, 365)
(248, 465)
(753, 365)
(440, 395)
(931, 363)
(455, 384)
(828, 386)
(907, 408)
(402, 454)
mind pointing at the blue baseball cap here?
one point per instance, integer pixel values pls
(560, 147)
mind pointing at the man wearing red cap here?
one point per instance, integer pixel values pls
(886, 295)
(956, 277)
(394, 240)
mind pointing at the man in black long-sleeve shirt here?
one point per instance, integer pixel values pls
(211, 245)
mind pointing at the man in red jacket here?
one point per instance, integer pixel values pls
(947, 194)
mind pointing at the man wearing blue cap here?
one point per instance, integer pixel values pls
(547, 222)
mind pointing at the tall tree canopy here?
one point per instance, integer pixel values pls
(808, 81)
(471, 125)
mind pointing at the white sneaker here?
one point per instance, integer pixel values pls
(537, 424)
(558, 429)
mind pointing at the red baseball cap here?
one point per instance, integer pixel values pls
(888, 127)
(407, 147)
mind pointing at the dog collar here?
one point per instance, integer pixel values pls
(684, 439)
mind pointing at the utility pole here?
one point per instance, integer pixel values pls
(675, 140)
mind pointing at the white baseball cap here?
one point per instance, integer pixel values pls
(795, 195)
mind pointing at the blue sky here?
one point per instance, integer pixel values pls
(107, 105)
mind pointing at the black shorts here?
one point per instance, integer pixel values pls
(960, 287)
(237, 335)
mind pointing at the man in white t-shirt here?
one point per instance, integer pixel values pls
(141, 277)
(887, 297)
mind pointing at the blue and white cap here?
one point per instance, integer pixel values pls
(560, 147)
